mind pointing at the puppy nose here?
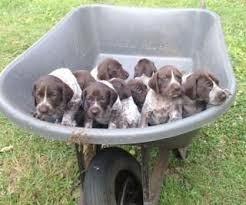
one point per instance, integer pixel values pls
(44, 109)
(175, 87)
(222, 96)
(95, 110)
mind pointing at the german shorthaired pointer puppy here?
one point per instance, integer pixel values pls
(109, 68)
(144, 70)
(139, 91)
(200, 89)
(163, 102)
(57, 96)
(128, 116)
(99, 100)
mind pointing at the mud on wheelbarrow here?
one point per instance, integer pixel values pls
(187, 38)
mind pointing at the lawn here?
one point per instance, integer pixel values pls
(37, 171)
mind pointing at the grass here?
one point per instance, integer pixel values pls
(38, 171)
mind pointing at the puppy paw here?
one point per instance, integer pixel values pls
(175, 118)
(70, 123)
(35, 114)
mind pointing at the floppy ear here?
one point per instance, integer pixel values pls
(34, 94)
(153, 67)
(190, 86)
(213, 78)
(83, 97)
(136, 74)
(103, 71)
(153, 83)
(112, 97)
(67, 93)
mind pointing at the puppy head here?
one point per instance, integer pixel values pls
(51, 96)
(110, 68)
(144, 67)
(202, 85)
(98, 99)
(167, 81)
(121, 88)
(139, 91)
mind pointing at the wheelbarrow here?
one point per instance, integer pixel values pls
(187, 38)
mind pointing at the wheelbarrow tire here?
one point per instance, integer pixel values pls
(113, 178)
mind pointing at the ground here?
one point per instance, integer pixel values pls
(37, 171)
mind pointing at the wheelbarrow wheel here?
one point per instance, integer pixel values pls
(113, 178)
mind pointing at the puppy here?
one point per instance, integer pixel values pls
(128, 116)
(57, 96)
(200, 89)
(109, 68)
(144, 70)
(163, 102)
(139, 91)
(99, 100)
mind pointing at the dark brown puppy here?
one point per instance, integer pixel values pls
(163, 102)
(139, 91)
(200, 89)
(144, 67)
(109, 68)
(53, 97)
(98, 101)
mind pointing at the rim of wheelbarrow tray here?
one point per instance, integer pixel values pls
(117, 136)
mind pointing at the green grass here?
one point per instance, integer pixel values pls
(38, 171)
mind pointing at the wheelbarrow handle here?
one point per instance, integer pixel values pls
(202, 4)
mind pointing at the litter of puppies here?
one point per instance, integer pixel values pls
(106, 98)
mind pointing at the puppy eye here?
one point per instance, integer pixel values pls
(114, 73)
(164, 79)
(209, 84)
(102, 100)
(53, 95)
(89, 100)
(179, 78)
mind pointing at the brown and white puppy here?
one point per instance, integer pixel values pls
(99, 100)
(139, 91)
(201, 88)
(57, 96)
(128, 116)
(163, 102)
(144, 70)
(109, 68)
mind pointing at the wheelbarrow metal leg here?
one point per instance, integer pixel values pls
(81, 165)
(145, 158)
(158, 175)
(152, 183)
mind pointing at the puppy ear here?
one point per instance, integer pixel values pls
(153, 67)
(113, 97)
(189, 87)
(136, 74)
(103, 71)
(153, 83)
(67, 93)
(213, 78)
(83, 97)
(34, 94)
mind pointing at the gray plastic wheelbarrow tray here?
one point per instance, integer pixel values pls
(188, 38)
